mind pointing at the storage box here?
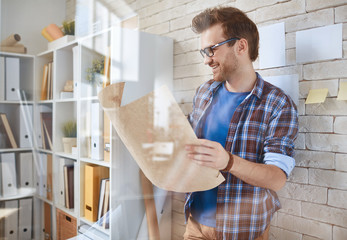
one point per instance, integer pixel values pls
(66, 225)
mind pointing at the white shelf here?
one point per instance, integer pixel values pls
(96, 162)
(21, 193)
(95, 225)
(17, 102)
(66, 155)
(7, 150)
(20, 55)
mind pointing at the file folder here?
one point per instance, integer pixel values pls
(25, 126)
(12, 75)
(97, 141)
(26, 169)
(92, 179)
(25, 216)
(11, 221)
(49, 188)
(2, 78)
(61, 192)
(42, 175)
(47, 221)
(8, 174)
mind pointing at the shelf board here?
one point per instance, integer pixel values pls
(45, 101)
(44, 199)
(17, 54)
(66, 155)
(45, 53)
(67, 210)
(7, 150)
(95, 225)
(96, 162)
(90, 98)
(17, 102)
(66, 100)
(21, 193)
(45, 151)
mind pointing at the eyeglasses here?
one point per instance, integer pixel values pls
(209, 50)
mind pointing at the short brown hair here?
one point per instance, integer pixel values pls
(235, 23)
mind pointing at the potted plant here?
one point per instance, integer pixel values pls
(70, 136)
(95, 73)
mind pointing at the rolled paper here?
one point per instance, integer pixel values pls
(54, 31)
(46, 35)
(11, 40)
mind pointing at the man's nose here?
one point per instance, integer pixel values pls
(207, 59)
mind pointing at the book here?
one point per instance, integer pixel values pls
(4, 124)
(49, 81)
(50, 67)
(46, 126)
(44, 82)
(47, 136)
(69, 186)
(49, 177)
(106, 207)
(18, 48)
(101, 199)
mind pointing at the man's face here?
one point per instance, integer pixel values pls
(224, 62)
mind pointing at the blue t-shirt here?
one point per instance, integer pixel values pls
(215, 128)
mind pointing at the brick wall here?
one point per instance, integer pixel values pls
(315, 198)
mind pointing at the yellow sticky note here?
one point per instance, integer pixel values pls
(317, 95)
(342, 91)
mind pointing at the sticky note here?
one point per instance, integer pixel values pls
(317, 95)
(342, 95)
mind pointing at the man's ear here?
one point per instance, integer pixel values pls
(242, 46)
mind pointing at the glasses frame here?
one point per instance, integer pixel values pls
(204, 51)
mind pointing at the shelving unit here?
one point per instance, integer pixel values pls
(144, 61)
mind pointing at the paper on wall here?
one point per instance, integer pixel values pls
(317, 96)
(155, 132)
(342, 95)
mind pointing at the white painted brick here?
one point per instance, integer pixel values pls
(288, 70)
(189, 34)
(310, 20)
(312, 5)
(304, 193)
(340, 125)
(290, 57)
(191, 70)
(186, 46)
(328, 178)
(315, 159)
(340, 14)
(324, 213)
(159, 28)
(305, 226)
(344, 31)
(280, 10)
(341, 162)
(183, 22)
(200, 5)
(326, 142)
(337, 198)
(339, 233)
(188, 58)
(300, 141)
(290, 206)
(306, 237)
(344, 49)
(274, 220)
(306, 86)
(248, 6)
(290, 40)
(325, 70)
(282, 234)
(194, 82)
(301, 107)
(315, 124)
(330, 107)
(145, 3)
(299, 175)
(178, 35)
(184, 96)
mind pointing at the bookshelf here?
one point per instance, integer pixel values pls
(144, 61)
(16, 161)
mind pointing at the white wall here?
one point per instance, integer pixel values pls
(28, 18)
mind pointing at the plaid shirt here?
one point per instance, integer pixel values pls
(266, 121)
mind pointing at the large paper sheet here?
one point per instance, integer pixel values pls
(319, 43)
(155, 132)
(317, 96)
(288, 83)
(272, 52)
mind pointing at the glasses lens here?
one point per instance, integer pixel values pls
(202, 53)
(209, 51)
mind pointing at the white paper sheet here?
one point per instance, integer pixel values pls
(319, 43)
(288, 83)
(272, 52)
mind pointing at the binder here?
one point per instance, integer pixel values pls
(25, 217)
(11, 221)
(2, 78)
(69, 186)
(4, 124)
(12, 78)
(8, 174)
(101, 199)
(26, 169)
(25, 126)
(49, 188)
(97, 123)
(92, 179)
(47, 221)
(44, 83)
(61, 189)
(106, 207)
(76, 59)
(43, 175)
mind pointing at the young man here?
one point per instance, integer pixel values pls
(246, 128)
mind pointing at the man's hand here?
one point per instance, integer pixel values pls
(208, 153)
